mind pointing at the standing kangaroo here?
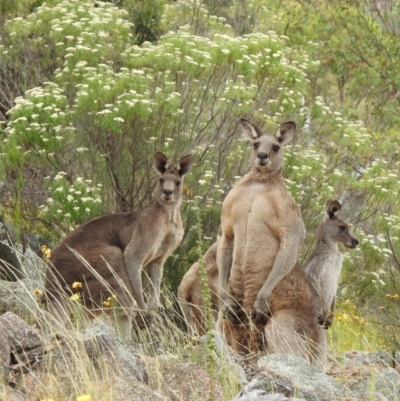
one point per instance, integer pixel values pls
(262, 233)
(302, 304)
(118, 247)
(190, 292)
(324, 265)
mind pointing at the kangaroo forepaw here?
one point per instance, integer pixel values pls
(232, 313)
(145, 320)
(260, 317)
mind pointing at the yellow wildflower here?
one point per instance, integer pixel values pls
(194, 340)
(109, 300)
(48, 399)
(381, 307)
(76, 285)
(37, 293)
(85, 397)
(392, 296)
(46, 251)
(74, 297)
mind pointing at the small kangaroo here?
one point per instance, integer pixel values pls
(302, 304)
(126, 242)
(324, 265)
(190, 295)
(262, 233)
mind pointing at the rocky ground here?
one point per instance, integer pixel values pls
(26, 353)
(23, 357)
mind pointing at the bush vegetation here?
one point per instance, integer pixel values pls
(89, 90)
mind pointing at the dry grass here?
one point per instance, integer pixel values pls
(67, 371)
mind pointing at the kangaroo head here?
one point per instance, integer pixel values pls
(268, 149)
(169, 188)
(335, 228)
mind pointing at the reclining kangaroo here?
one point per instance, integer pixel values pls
(262, 233)
(126, 242)
(190, 294)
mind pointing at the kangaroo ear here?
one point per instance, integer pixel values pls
(285, 132)
(332, 208)
(250, 130)
(161, 162)
(185, 165)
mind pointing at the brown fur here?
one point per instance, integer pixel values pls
(190, 292)
(293, 328)
(262, 233)
(303, 302)
(118, 247)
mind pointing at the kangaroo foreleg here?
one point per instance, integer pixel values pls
(230, 308)
(155, 271)
(331, 315)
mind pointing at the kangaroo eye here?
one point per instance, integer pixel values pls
(178, 183)
(256, 145)
(342, 228)
(275, 148)
(161, 181)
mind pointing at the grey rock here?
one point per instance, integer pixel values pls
(188, 381)
(7, 393)
(222, 354)
(251, 393)
(28, 240)
(20, 335)
(10, 266)
(385, 383)
(293, 376)
(354, 358)
(259, 395)
(5, 351)
(18, 297)
(101, 339)
(23, 258)
(33, 266)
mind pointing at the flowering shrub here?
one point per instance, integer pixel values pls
(107, 104)
(72, 203)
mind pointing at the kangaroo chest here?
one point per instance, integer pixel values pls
(259, 206)
(166, 241)
(328, 277)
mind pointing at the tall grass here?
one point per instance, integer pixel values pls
(67, 370)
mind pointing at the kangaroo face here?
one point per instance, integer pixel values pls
(267, 153)
(336, 228)
(340, 233)
(169, 188)
(268, 149)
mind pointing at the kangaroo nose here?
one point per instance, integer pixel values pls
(262, 156)
(167, 192)
(355, 241)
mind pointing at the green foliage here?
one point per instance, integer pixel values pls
(93, 99)
(74, 203)
(146, 18)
